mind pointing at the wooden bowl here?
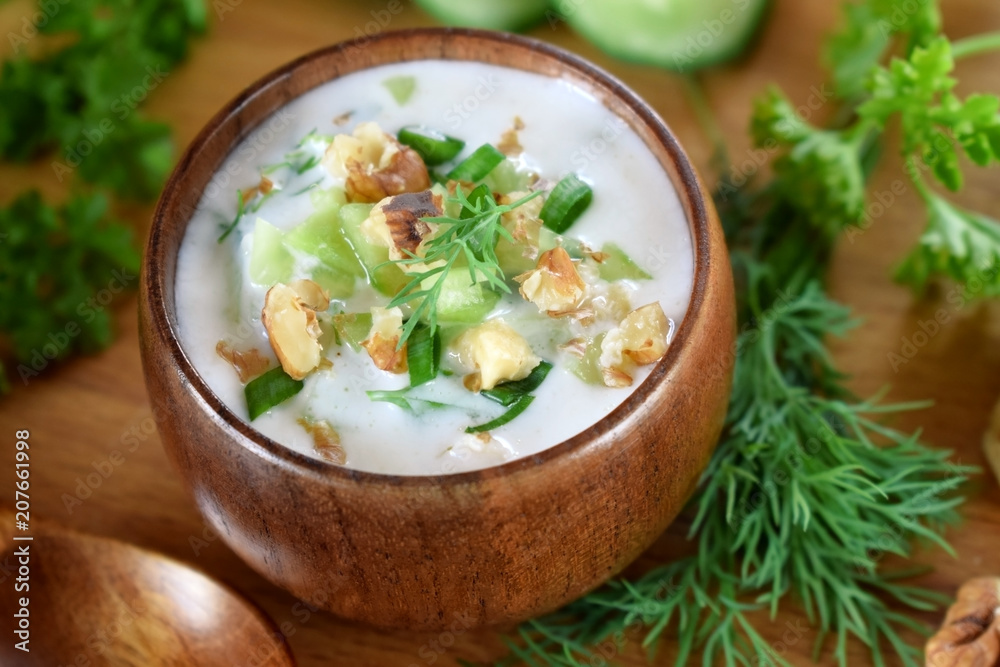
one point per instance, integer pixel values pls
(492, 546)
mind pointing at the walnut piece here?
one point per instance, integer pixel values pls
(374, 164)
(554, 286)
(247, 363)
(326, 440)
(640, 339)
(383, 339)
(395, 223)
(289, 316)
(970, 634)
(496, 352)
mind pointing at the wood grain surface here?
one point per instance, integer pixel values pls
(94, 411)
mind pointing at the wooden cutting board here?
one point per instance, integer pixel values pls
(97, 464)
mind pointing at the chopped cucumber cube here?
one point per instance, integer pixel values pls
(617, 265)
(270, 260)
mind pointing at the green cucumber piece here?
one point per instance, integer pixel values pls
(270, 260)
(386, 278)
(511, 15)
(619, 266)
(511, 255)
(680, 35)
(320, 235)
(461, 301)
(352, 328)
(506, 178)
(588, 367)
(401, 88)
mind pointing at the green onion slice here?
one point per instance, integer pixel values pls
(567, 202)
(519, 406)
(510, 392)
(423, 354)
(474, 168)
(435, 148)
(268, 390)
(403, 399)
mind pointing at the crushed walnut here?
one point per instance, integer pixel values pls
(247, 363)
(289, 316)
(641, 338)
(383, 340)
(970, 634)
(326, 440)
(374, 164)
(554, 285)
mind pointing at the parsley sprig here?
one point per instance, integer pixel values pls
(470, 238)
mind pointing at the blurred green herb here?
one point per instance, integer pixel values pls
(59, 270)
(70, 95)
(82, 99)
(808, 489)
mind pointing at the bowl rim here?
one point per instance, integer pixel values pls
(163, 319)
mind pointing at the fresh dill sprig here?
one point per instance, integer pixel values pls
(470, 238)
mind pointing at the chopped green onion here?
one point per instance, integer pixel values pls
(402, 399)
(401, 87)
(510, 392)
(423, 354)
(474, 168)
(519, 406)
(435, 148)
(567, 202)
(617, 265)
(268, 390)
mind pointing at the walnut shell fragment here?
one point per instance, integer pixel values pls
(554, 285)
(289, 316)
(970, 635)
(375, 165)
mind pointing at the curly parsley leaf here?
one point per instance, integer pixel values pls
(820, 171)
(963, 245)
(59, 270)
(866, 34)
(82, 99)
(936, 123)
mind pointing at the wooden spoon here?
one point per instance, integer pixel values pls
(94, 601)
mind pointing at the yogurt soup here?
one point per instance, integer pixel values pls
(432, 267)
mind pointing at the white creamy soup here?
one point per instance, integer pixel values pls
(288, 178)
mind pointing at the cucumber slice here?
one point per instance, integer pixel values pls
(352, 328)
(512, 15)
(588, 367)
(320, 235)
(619, 266)
(680, 35)
(511, 255)
(270, 260)
(387, 279)
(462, 302)
(506, 178)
